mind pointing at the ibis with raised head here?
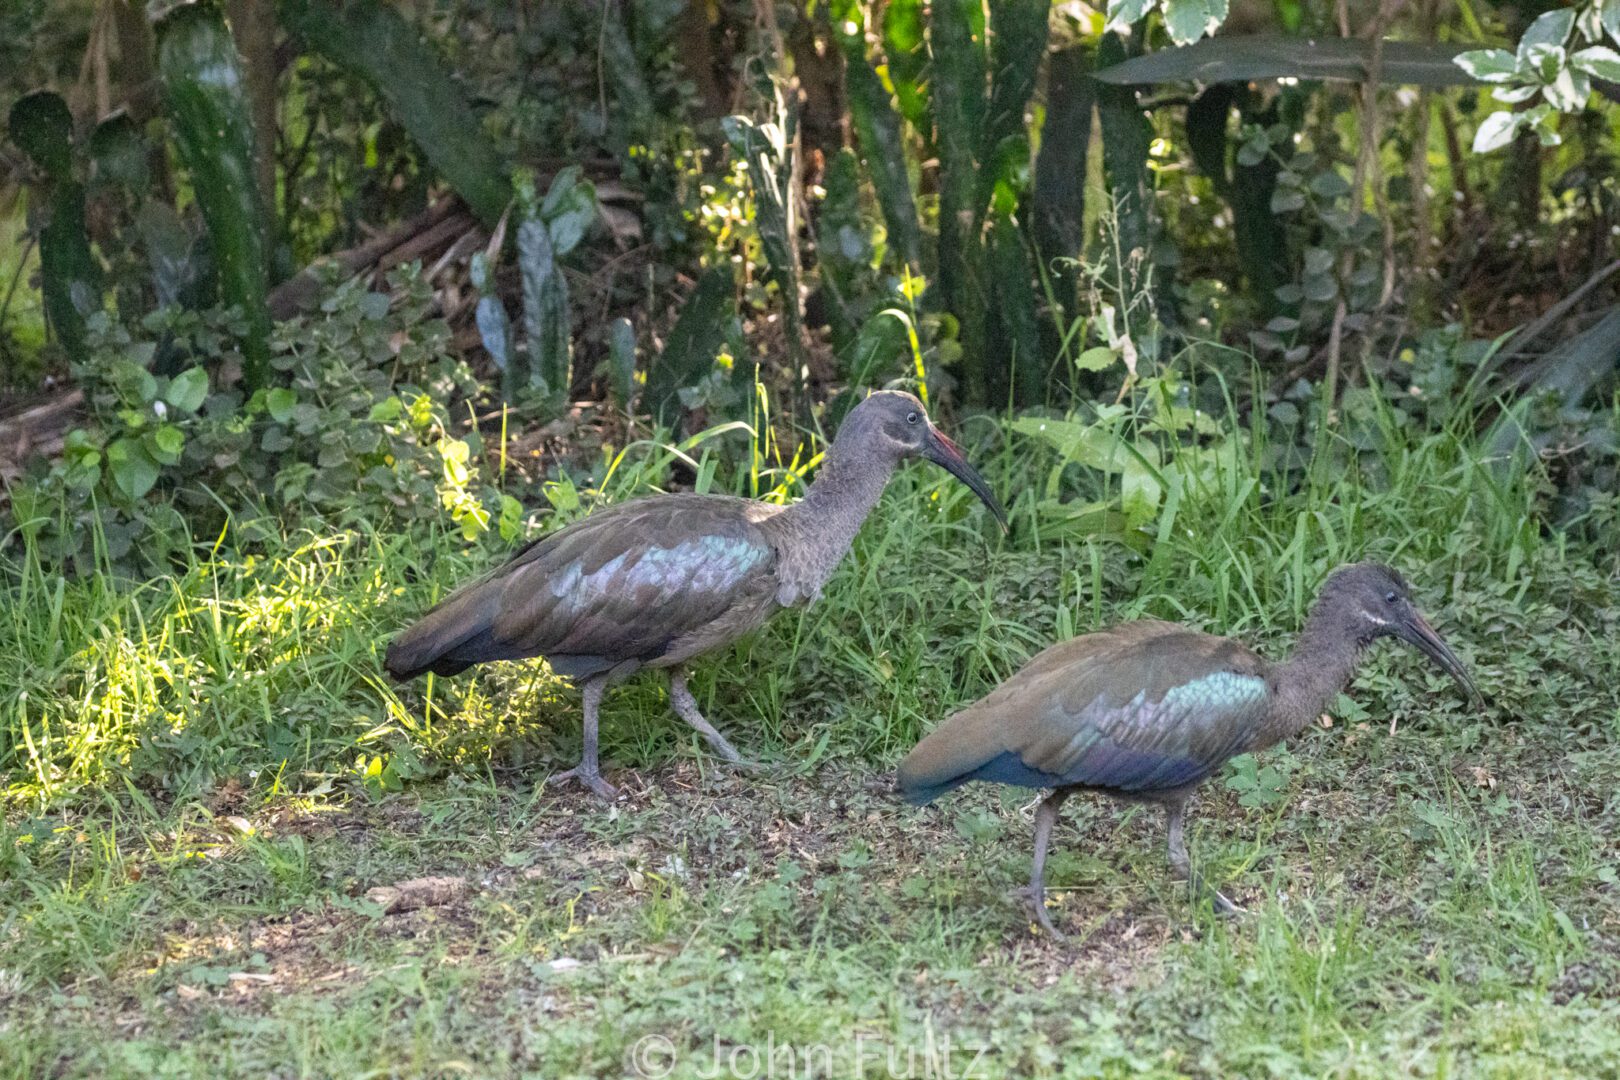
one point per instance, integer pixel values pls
(1147, 711)
(659, 581)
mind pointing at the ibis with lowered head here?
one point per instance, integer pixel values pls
(1147, 711)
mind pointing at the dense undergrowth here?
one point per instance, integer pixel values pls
(256, 663)
(205, 772)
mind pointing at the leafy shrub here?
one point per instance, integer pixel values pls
(358, 431)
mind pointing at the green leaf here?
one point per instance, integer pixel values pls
(1329, 184)
(374, 306)
(118, 153)
(1096, 359)
(1188, 20)
(511, 519)
(1489, 65)
(206, 94)
(569, 209)
(133, 470)
(1550, 28)
(188, 390)
(1611, 19)
(42, 127)
(905, 49)
(622, 361)
(1496, 131)
(374, 41)
(545, 316)
(168, 250)
(281, 402)
(167, 442)
(1568, 91)
(1123, 14)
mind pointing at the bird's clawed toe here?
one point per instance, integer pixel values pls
(1035, 905)
(1224, 907)
(589, 778)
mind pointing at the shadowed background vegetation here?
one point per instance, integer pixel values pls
(310, 309)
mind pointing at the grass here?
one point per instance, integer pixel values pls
(204, 776)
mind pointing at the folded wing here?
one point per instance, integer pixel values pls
(616, 588)
(1141, 708)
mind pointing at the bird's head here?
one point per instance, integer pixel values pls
(1368, 601)
(893, 425)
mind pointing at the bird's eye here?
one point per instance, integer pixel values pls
(912, 418)
(1389, 597)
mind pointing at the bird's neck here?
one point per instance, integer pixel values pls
(817, 531)
(1322, 663)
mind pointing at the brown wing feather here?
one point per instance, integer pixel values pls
(1089, 710)
(616, 587)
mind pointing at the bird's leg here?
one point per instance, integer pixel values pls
(1045, 817)
(1183, 865)
(687, 707)
(587, 771)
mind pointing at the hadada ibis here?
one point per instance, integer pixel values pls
(1147, 711)
(655, 582)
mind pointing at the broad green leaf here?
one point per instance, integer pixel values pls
(1188, 20)
(569, 209)
(1610, 17)
(1512, 95)
(1123, 14)
(167, 442)
(1544, 61)
(1496, 131)
(119, 154)
(1096, 359)
(1329, 184)
(281, 402)
(188, 390)
(132, 468)
(42, 127)
(1139, 489)
(1599, 61)
(1550, 28)
(546, 319)
(877, 130)
(622, 361)
(1489, 65)
(1569, 91)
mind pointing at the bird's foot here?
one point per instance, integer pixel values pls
(1223, 907)
(1035, 904)
(718, 742)
(590, 778)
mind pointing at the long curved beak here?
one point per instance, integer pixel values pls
(1417, 630)
(944, 453)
